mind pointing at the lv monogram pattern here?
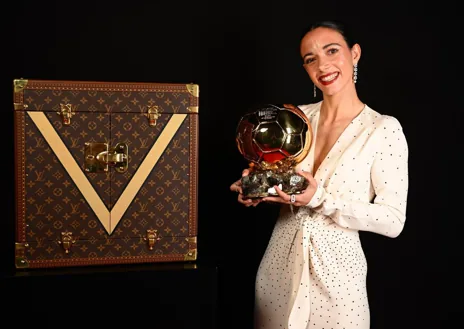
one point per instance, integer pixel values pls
(53, 203)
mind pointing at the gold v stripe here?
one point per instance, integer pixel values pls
(145, 168)
(109, 219)
(71, 166)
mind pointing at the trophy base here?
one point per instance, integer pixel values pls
(260, 183)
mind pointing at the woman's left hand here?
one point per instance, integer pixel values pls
(299, 200)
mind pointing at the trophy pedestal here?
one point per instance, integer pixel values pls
(260, 183)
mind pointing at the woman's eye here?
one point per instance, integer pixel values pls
(308, 60)
(332, 51)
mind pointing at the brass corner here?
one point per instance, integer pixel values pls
(194, 89)
(191, 255)
(20, 257)
(19, 85)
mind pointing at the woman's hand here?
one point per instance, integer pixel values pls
(296, 199)
(237, 187)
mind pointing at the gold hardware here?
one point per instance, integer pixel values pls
(19, 85)
(193, 109)
(151, 238)
(20, 257)
(99, 157)
(152, 115)
(191, 239)
(66, 241)
(194, 89)
(66, 113)
(192, 253)
(19, 106)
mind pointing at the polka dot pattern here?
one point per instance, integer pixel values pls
(313, 273)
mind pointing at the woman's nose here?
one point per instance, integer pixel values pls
(323, 64)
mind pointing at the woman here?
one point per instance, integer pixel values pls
(313, 273)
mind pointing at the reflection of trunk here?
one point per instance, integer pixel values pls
(111, 178)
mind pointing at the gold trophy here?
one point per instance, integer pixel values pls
(273, 139)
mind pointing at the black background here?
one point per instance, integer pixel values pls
(243, 53)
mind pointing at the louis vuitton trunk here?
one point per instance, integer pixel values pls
(106, 172)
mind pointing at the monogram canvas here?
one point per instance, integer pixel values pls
(106, 172)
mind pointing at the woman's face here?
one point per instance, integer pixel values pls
(328, 59)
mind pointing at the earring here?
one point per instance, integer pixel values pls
(314, 91)
(355, 73)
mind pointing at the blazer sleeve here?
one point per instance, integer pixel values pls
(386, 214)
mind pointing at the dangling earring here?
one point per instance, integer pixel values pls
(314, 91)
(355, 73)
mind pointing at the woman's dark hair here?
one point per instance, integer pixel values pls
(333, 25)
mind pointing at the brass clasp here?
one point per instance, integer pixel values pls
(66, 241)
(152, 115)
(99, 157)
(151, 238)
(66, 113)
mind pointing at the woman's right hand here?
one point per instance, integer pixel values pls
(237, 188)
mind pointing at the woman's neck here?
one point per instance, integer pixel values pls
(341, 106)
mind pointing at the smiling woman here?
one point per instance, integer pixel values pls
(329, 57)
(313, 273)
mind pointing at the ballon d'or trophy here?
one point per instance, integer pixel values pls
(273, 139)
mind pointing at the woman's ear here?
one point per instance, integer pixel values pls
(356, 53)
